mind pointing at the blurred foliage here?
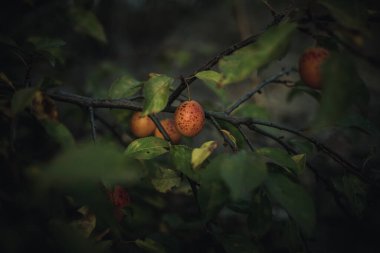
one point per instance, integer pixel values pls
(61, 192)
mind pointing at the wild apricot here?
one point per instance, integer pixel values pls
(141, 126)
(310, 66)
(169, 126)
(189, 118)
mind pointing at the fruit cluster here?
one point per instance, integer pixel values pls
(189, 119)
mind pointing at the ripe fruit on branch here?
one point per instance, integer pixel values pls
(310, 66)
(141, 126)
(189, 118)
(169, 126)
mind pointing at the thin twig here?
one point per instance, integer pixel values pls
(250, 145)
(223, 134)
(211, 63)
(111, 128)
(260, 86)
(92, 121)
(160, 127)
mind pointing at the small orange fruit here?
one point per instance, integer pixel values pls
(169, 126)
(189, 118)
(141, 126)
(310, 66)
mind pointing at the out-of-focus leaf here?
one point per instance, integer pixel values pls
(270, 46)
(280, 157)
(165, 180)
(229, 136)
(211, 197)
(342, 88)
(302, 146)
(299, 89)
(147, 148)
(260, 216)
(8, 41)
(89, 164)
(242, 173)
(351, 14)
(156, 93)
(45, 43)
(87, 23)
(5, 79)
(199, 155)
(181, 158)
(294, 199)
(355, 191)
(210, 76)
(150, 245)
(22, 99)
(252, 111)
(58, 132)
(124, 87)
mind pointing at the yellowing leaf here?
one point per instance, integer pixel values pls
(300, 161)
(199, 155)
(229, 136)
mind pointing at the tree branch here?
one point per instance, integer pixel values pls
(249, 94)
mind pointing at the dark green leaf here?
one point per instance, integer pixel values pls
(294, 199)
(89, 164)
(238, 243)
(156, 93)
(8, 41)
(59, 133)
(252, 111)
(150, 245)
(270, 46)
(299, 89)
(22, 99)
(242, 173)
(212, 195)
(342, 88)
(45, 43)
(165, 180)
(280, 157)
(87, 23)
(181, 158)
(124, 87)
(147, 148)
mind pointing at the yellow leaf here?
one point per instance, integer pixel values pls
(199, 155)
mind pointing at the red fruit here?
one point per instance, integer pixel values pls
(310, 66)
(169, 126)
(120, 199)
(189, 118)
(141, 126)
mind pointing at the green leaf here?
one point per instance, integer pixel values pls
(300, 161)
(299, 89)
(5, 79)
(89, 164)
(210, 76)
(242, 173)
(211, 198)
(260, 216)
(181, 158)
(22, 99)
(199, 155)
(294, 199)
(59, 133)
(270, 46)
(124, 87)
(150, 245)
(156, 93)
(280, 157)
(85, 22)
(342, 88)
(351, 14)
(147, 148)
(45, 43)
(165, 180)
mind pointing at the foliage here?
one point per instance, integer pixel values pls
(245, 184)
